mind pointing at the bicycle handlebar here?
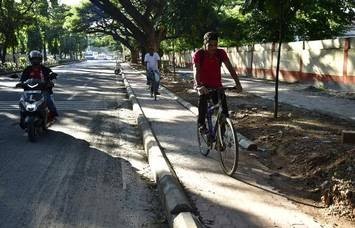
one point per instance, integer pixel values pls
(221, 89)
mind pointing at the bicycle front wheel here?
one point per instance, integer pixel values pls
(204, 143)
(228, 146)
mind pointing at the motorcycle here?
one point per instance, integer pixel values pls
(33, 107)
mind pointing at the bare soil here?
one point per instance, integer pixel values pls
(302, 148)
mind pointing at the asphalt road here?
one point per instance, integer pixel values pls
(89, 170)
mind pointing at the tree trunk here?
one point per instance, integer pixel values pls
(134, 55)
(3, 57)
(142, 56)
(140, 25)
(44, 51)
(0, 51)
(14, 59)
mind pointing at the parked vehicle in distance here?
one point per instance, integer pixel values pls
(89, 56)
(102, 57)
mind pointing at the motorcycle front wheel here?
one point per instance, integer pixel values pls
(31, 131)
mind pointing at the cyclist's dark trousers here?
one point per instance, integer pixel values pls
(202, 106)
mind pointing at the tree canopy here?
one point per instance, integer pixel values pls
(301, 19)
(36, 24)
(164, 24)
(143, 23)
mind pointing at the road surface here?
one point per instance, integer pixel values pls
(89, 170)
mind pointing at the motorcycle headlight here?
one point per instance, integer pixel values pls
(30, 107)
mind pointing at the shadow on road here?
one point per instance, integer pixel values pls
(63, 180)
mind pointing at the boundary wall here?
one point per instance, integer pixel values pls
(329, 63)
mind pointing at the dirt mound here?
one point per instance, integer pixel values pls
(301, 148)
(330, 92)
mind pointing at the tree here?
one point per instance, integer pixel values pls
(299, 18)
(12, 18)
(92, 20)
(105, 41)
(141, 18)
(182, 19)
(34, 39)
(323, 19)
(49, 18)
(36, 24)
(150, 22)
(54, 30)
(280, 12)
(307, 20)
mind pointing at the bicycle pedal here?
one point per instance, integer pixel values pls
(219, 147)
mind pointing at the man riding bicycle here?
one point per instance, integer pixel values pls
(152, 61)
(207, 74)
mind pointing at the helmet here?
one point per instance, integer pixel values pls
(35, 57)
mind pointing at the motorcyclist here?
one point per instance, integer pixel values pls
(38, 71)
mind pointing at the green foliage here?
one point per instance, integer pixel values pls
(73, 43)
(22, 61)
(189, 20)
(301, 19)
(81, 18)
(240, 23)
(104, 41)
(179, 24)
(178, 44)
(323, 19)
(37, 24)
(34, 39)
(232, 28)
(11, 20)
(11, 66)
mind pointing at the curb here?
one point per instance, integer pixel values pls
(177, 207)
(10, 74)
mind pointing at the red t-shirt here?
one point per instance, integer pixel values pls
(36, 72)
(210, 67)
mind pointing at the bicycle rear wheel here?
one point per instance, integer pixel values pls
(228, 146)
(151, 88)
(204, 143)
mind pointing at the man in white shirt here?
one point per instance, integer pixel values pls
(152, 62)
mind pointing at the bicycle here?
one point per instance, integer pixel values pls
(153, 78)
(220, 134)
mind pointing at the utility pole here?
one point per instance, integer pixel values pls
(276, 101)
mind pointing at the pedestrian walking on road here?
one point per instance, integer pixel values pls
(207, 74)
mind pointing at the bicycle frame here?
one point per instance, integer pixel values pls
(221, 135)
(212, 127)
(153, 76)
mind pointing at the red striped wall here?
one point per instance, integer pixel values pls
(342, 62)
